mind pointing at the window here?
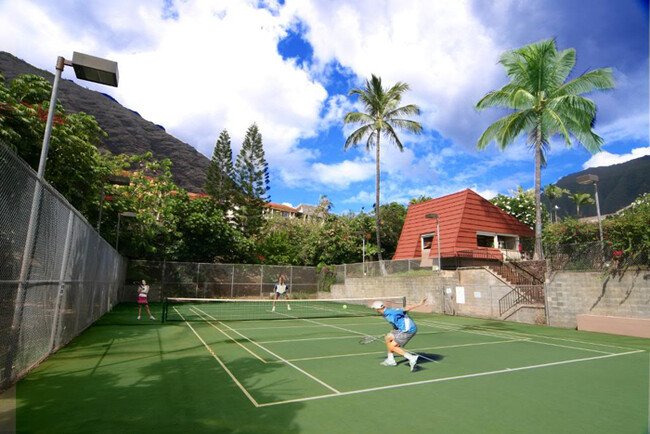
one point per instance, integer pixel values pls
(427, 241)
(484, 240)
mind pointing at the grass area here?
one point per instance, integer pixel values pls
(311, 375)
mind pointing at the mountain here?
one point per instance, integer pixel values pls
(618, 186)
(128, 132)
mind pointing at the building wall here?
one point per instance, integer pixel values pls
(570, 293)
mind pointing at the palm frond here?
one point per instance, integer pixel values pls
(358, 117)
(358, 135)
(392, 137)
(598, 79)
(406, 125)
(407, 110)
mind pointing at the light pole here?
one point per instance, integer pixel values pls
(586, 180)
(87, 68)
(437, 217)
(122, 214)
(363, 259)
(555, 208)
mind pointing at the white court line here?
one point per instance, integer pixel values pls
(458, 377)
(301, 326)
(416, 349)
(229, 337)
(241, 387)
(355, 332)
(518, 334)
(330, 338)
(275, 355)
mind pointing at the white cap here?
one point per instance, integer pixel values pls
(377, 305)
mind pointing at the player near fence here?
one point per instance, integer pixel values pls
(404, 329)
(280, 290)
(143, 290)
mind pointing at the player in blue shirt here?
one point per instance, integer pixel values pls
(404, 329)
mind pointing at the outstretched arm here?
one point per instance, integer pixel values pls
(415, 306)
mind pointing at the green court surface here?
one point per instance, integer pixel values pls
(312, 376)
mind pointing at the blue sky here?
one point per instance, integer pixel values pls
(197, 67)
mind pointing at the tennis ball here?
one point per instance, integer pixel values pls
(345, 306)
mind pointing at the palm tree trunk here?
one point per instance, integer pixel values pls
(538, 254)
(377, 201)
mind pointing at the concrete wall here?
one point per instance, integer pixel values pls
(570, 293)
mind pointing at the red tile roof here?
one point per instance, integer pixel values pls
(280, 207)
(461, 214)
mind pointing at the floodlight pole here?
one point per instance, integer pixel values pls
(32, 225)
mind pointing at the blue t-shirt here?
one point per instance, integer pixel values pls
(399, 320)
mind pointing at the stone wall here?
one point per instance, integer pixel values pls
(570, 293)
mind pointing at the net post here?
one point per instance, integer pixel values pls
(164, 310)
(162, 280)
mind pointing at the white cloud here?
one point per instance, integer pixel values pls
(604, 158)
(342, 174)
(439, 50)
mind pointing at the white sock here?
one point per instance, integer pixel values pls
(390, 356)
(409, 356)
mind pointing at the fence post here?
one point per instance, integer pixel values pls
(162, 281)
(198, 270)
(290, 279)
(232, 282)
(64, 266)
(491, 301)
(345, 272)
(262, 281)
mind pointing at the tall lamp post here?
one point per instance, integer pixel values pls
(586, 180)
(122, 214)
(437, 217)
(86, 67)
(113, 180)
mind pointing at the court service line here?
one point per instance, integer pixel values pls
(415, 349)
(232, 376)
(275, 355)
(438, 380)
(330, 337)
(229, 337)
(512, 335)
(355, 332)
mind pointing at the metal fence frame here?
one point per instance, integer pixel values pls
(70, 276)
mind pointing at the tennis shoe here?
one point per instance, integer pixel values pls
(413, 362)
(288, 307)
(138, 317)
(273, 310)
(389, 362)
(152, 318)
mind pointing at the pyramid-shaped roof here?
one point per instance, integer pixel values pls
(462, 215)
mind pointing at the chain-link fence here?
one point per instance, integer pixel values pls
(593, 256)
(202, 280)
(401, 267)
(57, 276)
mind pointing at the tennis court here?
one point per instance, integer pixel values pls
(303, 370)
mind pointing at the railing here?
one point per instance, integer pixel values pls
(515, 275)
(533, 294)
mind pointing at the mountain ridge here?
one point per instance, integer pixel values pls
(128, 132)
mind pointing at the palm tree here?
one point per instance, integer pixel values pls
(544, 104)
(553, 192)
(580, 199)
(383, 116)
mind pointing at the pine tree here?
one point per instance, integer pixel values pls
(219, 182)
(251, 174)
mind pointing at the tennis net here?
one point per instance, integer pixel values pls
(211, 309)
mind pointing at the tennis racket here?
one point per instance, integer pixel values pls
(369, 339)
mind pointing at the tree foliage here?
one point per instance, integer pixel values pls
(521, 205)
(544, 102)
(252, 177)
(219, 182)
(74, 166)
(383, 117)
